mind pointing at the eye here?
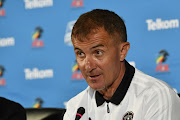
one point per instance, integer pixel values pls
(99, 53)
(80, 54)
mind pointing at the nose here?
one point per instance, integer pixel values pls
(89, 64)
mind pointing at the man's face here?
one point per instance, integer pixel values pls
(98, 59)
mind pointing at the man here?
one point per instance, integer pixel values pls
(10, 110)
(117, 90)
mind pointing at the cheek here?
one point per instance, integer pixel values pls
(80, 65)
(111, 66)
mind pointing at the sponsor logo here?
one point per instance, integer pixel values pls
(2, 11)
(160, 60)
(162, 24)
(5, 42)
(77, 75)
(77, 3)
(30, 4)
(38, 103)
(35, 38)
(67, 37)
(38, 74)
(128, 115)
(2, 80)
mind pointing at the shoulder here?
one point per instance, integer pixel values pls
(145, 83)
(153, 89)
(157, 97)
(81, 96)
(80, 100)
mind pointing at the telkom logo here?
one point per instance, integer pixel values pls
(38, 74)
(160, 25)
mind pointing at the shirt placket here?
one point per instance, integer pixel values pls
(108, 111)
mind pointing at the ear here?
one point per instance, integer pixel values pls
(124, 47)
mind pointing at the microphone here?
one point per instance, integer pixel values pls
(79, 113)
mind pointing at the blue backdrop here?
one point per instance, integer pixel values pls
(37, 58)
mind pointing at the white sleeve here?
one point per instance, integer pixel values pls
(175, 113)
(162, 104)
(66, 116)
(68, 113)
(70, 110)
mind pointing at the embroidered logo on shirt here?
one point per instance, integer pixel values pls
(128, 116)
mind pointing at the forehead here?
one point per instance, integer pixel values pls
(97, 37)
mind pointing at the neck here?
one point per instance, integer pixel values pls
(109, 91)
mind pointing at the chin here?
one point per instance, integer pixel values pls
(98, 88)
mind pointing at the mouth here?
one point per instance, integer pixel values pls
(93, 77)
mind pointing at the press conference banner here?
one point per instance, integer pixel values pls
(37, 63)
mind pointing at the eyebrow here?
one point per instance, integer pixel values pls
(99, 45)
(76, 48)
